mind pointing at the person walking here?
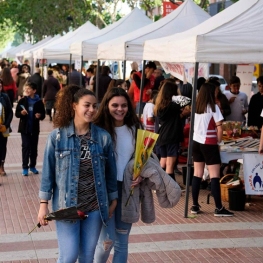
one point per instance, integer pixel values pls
(30, 110)
(50, 88)
(6, 116)
(207, 134)
(79, 170)
(9, 85)
(117, 116)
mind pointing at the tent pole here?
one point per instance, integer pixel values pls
(70, 69)
(97, 80)
(81, 65)
(124, 69)
(141, 88)
(190, 146)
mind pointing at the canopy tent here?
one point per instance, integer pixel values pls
(41, 42)
(232, 36)
(11, 53)
(130, 46)
(29, 53)
(59, 49)
(88, 48)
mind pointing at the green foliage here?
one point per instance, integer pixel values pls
(6, 34)
(38, 18)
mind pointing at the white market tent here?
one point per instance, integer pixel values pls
(22, 52)
(232, 36)
(130, 46)
(88, 48)
(59, 49)
(29, 53)
(11, 53)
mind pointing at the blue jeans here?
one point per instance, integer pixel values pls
(78, 239)
(116, 235)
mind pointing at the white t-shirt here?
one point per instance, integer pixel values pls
(125, 146)
(205, 126)
(237, 106)
(148, 113)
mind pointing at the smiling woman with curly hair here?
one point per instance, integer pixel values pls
(79, 170)
(64, 114)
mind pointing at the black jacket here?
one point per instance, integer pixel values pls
(50, 88)
(37, 79)
(4, 100)
(254, 110)
(171, 130)
(24, 119)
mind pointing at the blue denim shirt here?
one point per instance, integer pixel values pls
(60, 173)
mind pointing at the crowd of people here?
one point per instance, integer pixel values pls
(95, 138)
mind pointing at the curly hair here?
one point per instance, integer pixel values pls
(64, 104)
(7, 77)
(106, 121)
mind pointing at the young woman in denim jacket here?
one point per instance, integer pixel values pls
(117, 116)
(79, 169)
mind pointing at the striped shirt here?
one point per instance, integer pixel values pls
(87, 196)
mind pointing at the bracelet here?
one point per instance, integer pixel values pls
(44, 202)
(219, 125)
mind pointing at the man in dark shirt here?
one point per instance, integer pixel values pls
(104, 81)
(255, 106)
(38, 80)
(76, 78)
(50, 88)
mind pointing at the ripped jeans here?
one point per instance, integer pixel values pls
(116, 235)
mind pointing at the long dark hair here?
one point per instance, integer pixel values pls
(106, 121)
(164, 97)
(7, 77)
(206, 96)
(64, 104)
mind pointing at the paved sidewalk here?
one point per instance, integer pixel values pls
(171, 238)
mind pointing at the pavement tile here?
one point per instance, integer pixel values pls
(171, 238)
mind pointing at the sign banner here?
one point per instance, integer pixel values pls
(78, 64)
(245, 73)
(253, 173)
(169, 7)
(185, 71)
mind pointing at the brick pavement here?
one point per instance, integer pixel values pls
(171, 238)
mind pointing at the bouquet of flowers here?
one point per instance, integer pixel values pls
(145, 143)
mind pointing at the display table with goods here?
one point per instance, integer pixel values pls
(243, 143)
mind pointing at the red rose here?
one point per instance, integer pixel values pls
(148, 142)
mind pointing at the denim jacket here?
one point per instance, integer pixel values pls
(61, 168)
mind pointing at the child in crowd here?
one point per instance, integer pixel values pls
(30, 109)
(148, 115)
